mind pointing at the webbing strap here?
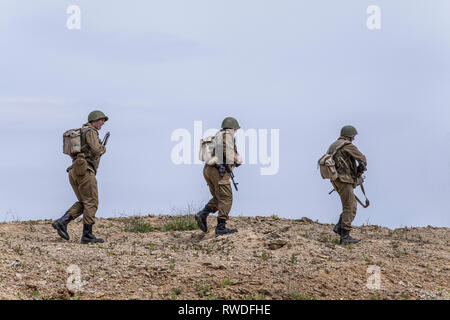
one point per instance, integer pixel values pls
(364, 193)
(340, 147)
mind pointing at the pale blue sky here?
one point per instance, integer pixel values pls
(306, 68)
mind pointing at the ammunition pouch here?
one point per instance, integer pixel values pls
(80, 165)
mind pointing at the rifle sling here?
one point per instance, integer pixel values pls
(364, 193)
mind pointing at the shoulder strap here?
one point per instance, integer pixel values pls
(86, 129)
(83, 132)
(343, 143)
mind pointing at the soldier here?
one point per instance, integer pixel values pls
(218, 179)
(82, 179)
(348, 172)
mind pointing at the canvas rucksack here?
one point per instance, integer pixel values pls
(327, 164)
(72, 142)
(207, 150)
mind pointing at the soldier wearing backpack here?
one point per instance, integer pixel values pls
(85, 149)
(339, 165)
(220, 155)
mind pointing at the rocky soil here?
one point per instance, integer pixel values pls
(158, 257)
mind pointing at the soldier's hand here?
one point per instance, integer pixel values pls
(362, 167)
(222, 170)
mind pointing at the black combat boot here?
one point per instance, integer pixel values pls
(61, 225)
(337, 228)
(222, 229)
(201, 216)
(346, 238)
(88, 237)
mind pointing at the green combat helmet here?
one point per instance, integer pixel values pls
(348, 131)
(96, 115)
(230, 123)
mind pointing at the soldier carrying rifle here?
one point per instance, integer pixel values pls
(339, 165)
(85, 148)
(220, 155)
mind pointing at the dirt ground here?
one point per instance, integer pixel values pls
(269, 258)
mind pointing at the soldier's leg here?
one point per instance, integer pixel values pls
(209, 175)
(60, 225)
(89, 195)
(348, 206)
(337, 227)
(88, 192)
(77, 208)
(225, 200)
(211, 206)
(224, 196)
(348, 200)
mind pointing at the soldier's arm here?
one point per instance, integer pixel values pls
(353, 151)
(94, 143)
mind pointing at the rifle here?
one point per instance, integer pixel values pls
(230, 172)
(105, 139)
(359, 182)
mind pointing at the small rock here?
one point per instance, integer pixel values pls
(18, 276)
(31, 285)
(215, 267)
(276, 244)
(274, 235)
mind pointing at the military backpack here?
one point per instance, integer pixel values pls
(207, 150)
(327, 164)
(72, 142)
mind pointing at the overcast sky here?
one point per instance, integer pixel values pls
(306, 68)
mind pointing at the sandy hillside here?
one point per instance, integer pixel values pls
(270, 258)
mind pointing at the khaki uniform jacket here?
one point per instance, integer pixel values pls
(345, 160)
(91, 147)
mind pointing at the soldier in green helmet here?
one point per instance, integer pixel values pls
(348, 171)
(82, 178)
(216, 174)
